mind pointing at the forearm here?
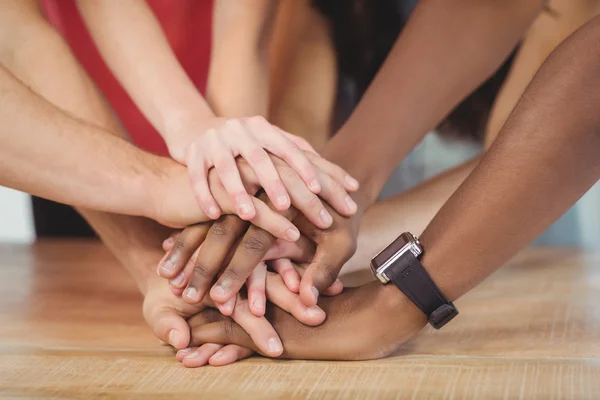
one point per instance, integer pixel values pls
(135, 241)
(238, 80)
(47, 153)
(445, 51)
(135, 48)
(544, 159)
(410, 211)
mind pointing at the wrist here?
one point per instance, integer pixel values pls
(171, 200)
(181, 127)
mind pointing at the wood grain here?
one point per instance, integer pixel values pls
(71, 328)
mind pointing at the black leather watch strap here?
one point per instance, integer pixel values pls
(413, 280)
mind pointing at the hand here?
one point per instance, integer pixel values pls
(199, 246)
(216, 354)
(334, 246)
(167, 315)
(224, 234)
(368, 322)
(223, 140)
(175, 205)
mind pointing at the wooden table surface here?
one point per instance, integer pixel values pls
(71, 327)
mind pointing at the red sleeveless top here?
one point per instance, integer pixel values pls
(187, 26)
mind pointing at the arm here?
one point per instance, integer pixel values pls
(240, 37)
(444, 52)
(544, 159)
(39, 154)
(135, 48)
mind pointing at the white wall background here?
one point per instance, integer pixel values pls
(16, 218)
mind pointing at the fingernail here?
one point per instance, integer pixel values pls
(293, 234)
(213, 212)
(274, 345)
(190, 293)
(192, 355)
(259, 304)
(178, 280)
(326, 217)
(229, 304)
(314, 186)
(282, 201)
(315, 293)
(185, 351)
(313, 311)
(350, 204)
(219, 290)
(174, 338)
(169, 240)
(167, 267)
(245, 209)
(217, 355)
(352, 183)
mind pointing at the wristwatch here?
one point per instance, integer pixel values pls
(399, 263)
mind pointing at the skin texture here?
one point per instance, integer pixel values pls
(303, 80)
(451, 33)
(134, 241)
(503, 205)
(130, 38)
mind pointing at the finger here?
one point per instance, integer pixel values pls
(279, 295)
(256, 290)
(180, 281)
(298, 141)
(301, 251)
(229, 354)
(336, 288)
(232, 182)
(249, 253)
(265, 171)
(291, 278)
(337, 197)
(259, 329)
(320, 275)
(197, 172)
(200, 356)
(168, 243)
(221, 238)
(227, 307)
(274, 222)
(304, 200)
(244, 329)
(183, 248)
(333, 170)
(271, 139)
(225, 331)
(169, 327)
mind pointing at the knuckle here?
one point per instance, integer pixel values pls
(233, 123)
(201, 272)
(228, 329)
(329, 272)
(179, 246)
(233, 273)
(257, 119)
(255, 244)
(221, 229)
(314, 203)
(286, 173)
(257, 155)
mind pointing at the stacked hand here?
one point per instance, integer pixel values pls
(297, 246)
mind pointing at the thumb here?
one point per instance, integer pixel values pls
(170, 327)
(320, 275)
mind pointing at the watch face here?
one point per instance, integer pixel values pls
(386, 258)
